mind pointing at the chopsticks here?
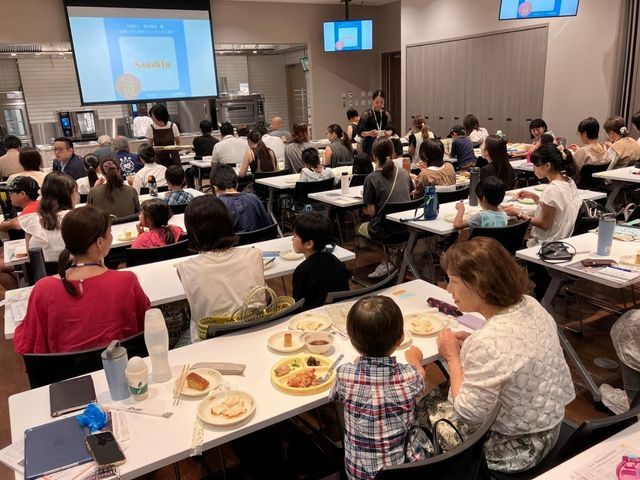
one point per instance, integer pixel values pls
(177, 397)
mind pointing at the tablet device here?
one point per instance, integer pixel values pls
(71, 395)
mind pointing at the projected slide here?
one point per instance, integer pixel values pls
(514, 9)
(348, 35)
(136, 54)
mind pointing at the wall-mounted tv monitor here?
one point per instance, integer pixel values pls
(126, 53)
(348, 36)
(521, 9)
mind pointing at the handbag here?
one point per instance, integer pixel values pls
(556, 252)
(375, 224)
(251, 309)
(432, 437)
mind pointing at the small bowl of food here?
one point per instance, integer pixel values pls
(318, 342)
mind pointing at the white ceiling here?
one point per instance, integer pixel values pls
(355, 3)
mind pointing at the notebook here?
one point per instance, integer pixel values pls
(71, 395)
(53, 447)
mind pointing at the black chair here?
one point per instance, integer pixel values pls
(45, 368)
(36, 268)
(145, 190)
(262, 191)
(587, 182)
(179, 208)
(333, 297)
(584, 222)
(125, 219)
(357, 180)
(452, 195)
(300, 199)
(573, 441)
(266, 233)
(511, 237)
(142, 256)
(219, 329)
(466, 461)
(15, 234)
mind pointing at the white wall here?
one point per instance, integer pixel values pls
(581, 51)
(234, 68)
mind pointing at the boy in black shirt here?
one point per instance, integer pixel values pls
(321, 272)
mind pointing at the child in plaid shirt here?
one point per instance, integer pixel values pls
(379, 394)
(175, 177)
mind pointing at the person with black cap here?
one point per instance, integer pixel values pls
(462, 148)
(23, 193)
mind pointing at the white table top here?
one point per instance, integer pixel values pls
(160, 281)
(336, 199)
(205, 162)
(148, 448)
(626, 174)
(521, 165)
(629, 438)
(443, 225)
(287, 182)
(585, 246)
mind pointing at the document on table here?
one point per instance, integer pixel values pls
(17, 301)
(616, 273)
(602, 466)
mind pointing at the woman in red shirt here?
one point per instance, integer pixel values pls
(87, 305)
(155, 215)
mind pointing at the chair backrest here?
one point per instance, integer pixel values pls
(262, 191)
(357, 180)
(84, 197)
(45, 368)
(266, 233)
(219, 329)
(37, 268)
(466, 461)
(511, 237)
(394, 232)
(333, 297)
(145, 190)
(15, 234)
(129, 218)
(586, 181)
(142, 256)
(303, 189)
(179, 208)
(452, 195)
(584, 222)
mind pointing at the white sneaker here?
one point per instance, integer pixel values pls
(382, 270)
(614, 399)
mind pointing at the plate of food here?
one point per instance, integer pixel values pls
(286, 342)
(127, 235)
(200, 381)
(291, 255)
(540, 188)
(226, 408)
(425, 323)
(526, 201)
(310, 322)
(299, 374)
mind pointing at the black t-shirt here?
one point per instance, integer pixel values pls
(372, 120)
(318, 275)
(489, 170)
(203, 145)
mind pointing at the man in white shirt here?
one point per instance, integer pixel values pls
(274, 143)
(230, 149)
(141, 123)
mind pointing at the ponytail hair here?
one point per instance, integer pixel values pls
(421, 123)
(341, 134)
(80, 228)
(382, 152)
(91, 164)
(561, 160)
(616, 125)
(158, 213)
(111, 169)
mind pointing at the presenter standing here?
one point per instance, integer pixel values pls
(163, 133)
(141, 123)
(375, 122)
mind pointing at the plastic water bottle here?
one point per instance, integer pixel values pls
(474, 179)
(156, 337)
(114, 362)
(431, 208)
(606, 228)
(344, 183)
(153, 186)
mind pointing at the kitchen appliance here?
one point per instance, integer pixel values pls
(13, 117)
(238, 109)
(78, 125)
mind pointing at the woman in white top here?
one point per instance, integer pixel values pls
(474, 131)
(558, 205)
(623, 151)
(31, 161)
(147, 154)
(313, 170)
(514, 359)
(42, 229)
(419, 133)
(218, 280)
(94, 174)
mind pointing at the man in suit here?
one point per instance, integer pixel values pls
(66, 160)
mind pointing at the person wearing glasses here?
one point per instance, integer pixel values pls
(66, 160)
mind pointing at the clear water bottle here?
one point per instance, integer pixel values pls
(156, 337)
(153, 186)
(344, 183)
(474, 179)
(114, 362)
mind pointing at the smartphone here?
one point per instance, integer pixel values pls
(597, 262)
(105, 449)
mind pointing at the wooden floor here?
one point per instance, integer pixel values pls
(594, 343)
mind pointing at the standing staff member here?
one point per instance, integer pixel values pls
(163, 133)
(375, 122)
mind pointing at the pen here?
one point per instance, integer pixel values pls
(620, 268)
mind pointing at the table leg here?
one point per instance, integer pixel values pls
(270, 209)
(407, 257)
(610, 206)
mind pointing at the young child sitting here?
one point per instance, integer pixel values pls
(379, 394)
(321, 272)
(175, 178)
(313, 170)
(155, 215)
(490, 193)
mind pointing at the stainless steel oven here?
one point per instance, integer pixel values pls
(239, 109)
(13, 117)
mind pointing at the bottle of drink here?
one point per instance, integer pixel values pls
(344, 183)
(114, 362)
(156, 337)
(474, 179)
(153, 186)
(430, 203)
(606, 229)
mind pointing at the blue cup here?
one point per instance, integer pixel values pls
(606, 227)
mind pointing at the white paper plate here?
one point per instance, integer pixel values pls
(291, 255)
(205, 414)
(212, 376)
(526, 201)
(540, 188)
(414, 321)
(276, 342)
(310, 322)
